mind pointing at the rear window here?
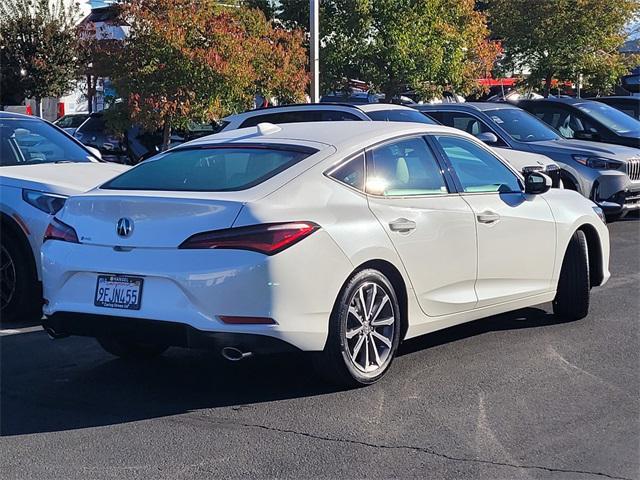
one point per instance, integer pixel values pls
(94, 123)
(397, 115)
(217, 169)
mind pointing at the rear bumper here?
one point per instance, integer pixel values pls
(164, 333)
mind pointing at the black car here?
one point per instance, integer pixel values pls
(136, 144)
(586, 120)
(93, 133)
(629, 105)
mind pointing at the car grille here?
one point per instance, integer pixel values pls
(633, 168)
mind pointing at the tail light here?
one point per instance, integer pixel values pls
(268, 238)
(58, 230)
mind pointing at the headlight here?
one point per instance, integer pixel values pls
(46, 202)
(598, 163)
(600, 214)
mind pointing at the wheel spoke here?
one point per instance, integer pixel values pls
(382, 338)
(383, 302)
(356, 349)
(363, 304)
(374, 293)
(383, 321)
(354, 332)
(375, 351)
(366, 352)
(354, 311)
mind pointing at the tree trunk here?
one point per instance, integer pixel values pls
(166, 134)
(38, 107)
(547, 84)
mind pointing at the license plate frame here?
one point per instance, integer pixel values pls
(123, 282)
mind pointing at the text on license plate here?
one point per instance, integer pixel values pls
(118, 291)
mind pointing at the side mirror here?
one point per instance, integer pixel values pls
(489, 138)
(94, 151)
(585, 135)
(536, 183)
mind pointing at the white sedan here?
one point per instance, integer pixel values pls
(342, 239)
(40, 167)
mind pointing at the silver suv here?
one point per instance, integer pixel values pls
(325, 112)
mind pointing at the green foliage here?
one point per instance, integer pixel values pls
(427, 45)
(559, 39)
(38, 44)
(189, 60)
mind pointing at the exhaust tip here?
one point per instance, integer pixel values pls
(234, 354)
(53, 334)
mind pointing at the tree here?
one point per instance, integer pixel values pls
(559, 39)
(427, 45)
(189, 60)
(38, 43)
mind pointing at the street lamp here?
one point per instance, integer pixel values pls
(314, 41)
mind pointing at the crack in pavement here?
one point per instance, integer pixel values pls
(429, 452)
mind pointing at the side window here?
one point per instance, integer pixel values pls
(351, 173)
(402, 168)
(468, 123)
(337, 116)
(477, 169)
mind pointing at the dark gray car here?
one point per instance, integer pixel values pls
(607, 174)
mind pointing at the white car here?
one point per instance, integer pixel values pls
(338, 238)
(524, 162)
(40, 167)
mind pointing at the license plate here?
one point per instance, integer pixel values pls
(118, 291)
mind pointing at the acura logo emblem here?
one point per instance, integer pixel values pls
(124, 227)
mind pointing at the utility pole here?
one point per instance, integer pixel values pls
(314, 41)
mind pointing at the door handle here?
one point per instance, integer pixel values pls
(402, 225)
(488, 217)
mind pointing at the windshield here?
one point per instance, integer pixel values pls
(616, 120)
(215, 169)
(32, 141)
(521, 125)
(397, 115)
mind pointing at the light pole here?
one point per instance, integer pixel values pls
(314, 41)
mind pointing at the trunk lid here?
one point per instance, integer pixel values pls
(146, 221)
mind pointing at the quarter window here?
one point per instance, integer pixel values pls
(402, 168)
(351, 173)
(477, 169)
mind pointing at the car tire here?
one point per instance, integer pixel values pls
(363, 339)
(21, 298)
(127, 349)
(574, 285)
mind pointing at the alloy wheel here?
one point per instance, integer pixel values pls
(370, 327)
(7, 278)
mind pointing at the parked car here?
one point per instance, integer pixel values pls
(586, 120)
(136, 144)
(339, 239)
(70, 122)
(40, 166)
(93, 132)
(607, 174)
(323, 112)
(522, 161)
(629, 105)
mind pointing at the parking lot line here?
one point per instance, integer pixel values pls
(16, 331)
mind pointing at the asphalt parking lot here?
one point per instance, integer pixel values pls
(516, 396)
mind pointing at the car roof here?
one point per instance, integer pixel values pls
(340, 135)
(376, 107)
(480, 106)
(13, 115)
(616, 97)
(563, 100)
